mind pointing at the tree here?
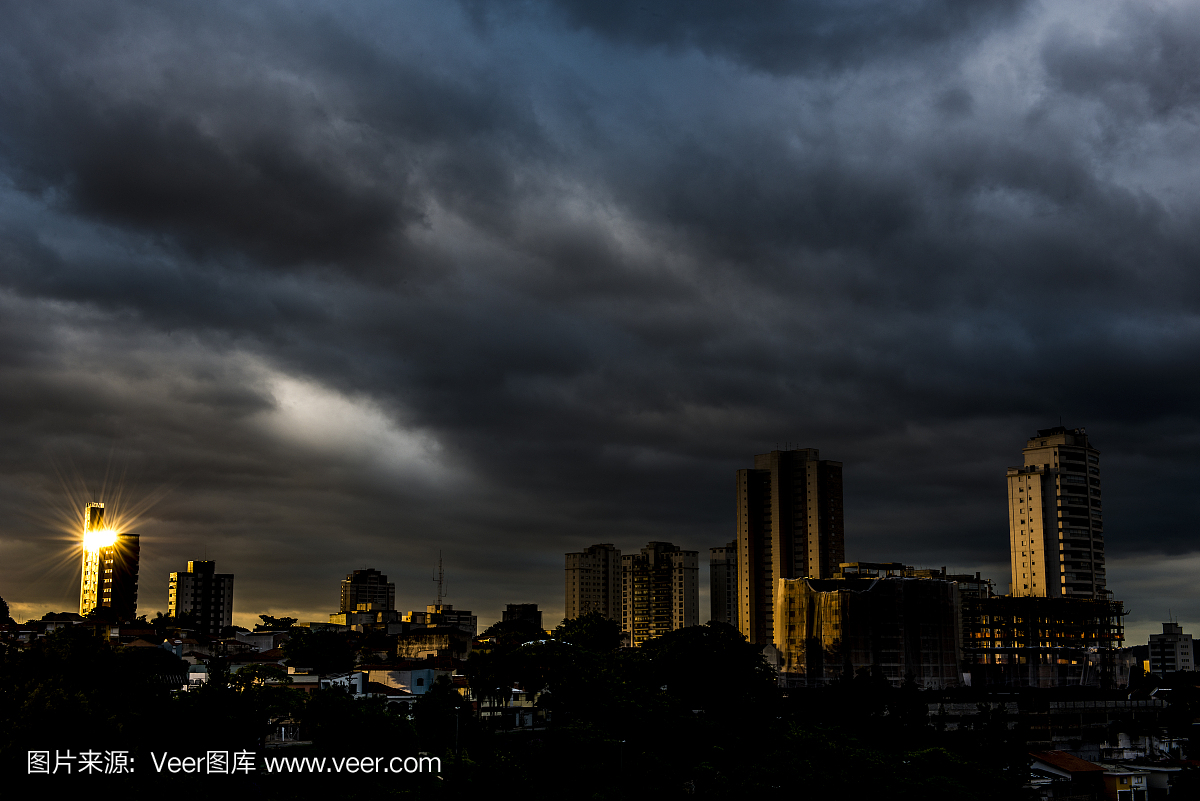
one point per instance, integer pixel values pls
(4, 618)
(514, 632)
(592, 631)
(441, 714)
(692, 661)
(325, 652)
(275, 623)
(259, 675)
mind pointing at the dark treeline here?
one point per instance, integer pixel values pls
(695, 712)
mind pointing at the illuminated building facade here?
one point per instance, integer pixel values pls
(110, 567)
(789, 526)
(203, 593)
(89, 586)
(1055, 521)
(660, 591)
(880, 617)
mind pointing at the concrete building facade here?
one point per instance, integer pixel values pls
(789, 526)
(204, 593)
(722, 583)
(367, 591)
(1055, 518)
(593, 582)
(1171, 651)
(660, 591)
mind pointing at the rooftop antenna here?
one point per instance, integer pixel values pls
(440, 579)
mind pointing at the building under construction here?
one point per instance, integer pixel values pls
(881, 617)
(1042, 642)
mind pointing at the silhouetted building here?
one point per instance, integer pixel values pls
(593, 582)
(367, 591)
(722, 583)
(1055, 523)
(204, 593)
(660, 591)
(1171, 651)
(528, 612)
(110, 567)
(878, 617)
(789, 523)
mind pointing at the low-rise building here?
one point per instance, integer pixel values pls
(262, 640)
(444, 615)
(529, 612)
(1171, 651)
(415, 679)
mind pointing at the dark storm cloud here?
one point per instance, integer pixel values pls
(326, 158)
(780, 35)
(366, 282)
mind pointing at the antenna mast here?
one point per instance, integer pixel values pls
(440, 579)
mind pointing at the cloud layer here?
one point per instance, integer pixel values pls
(361, 283)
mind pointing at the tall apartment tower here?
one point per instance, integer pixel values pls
(110, 566)
(203, 592)
(594, 582)
(1055, 525)
(367, 591)
(789, 525)
(660, 591)
(1171, 651)
(722, 583)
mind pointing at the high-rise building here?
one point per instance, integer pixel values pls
(722, 583)
(789, 524)
(367, 591)
(593, 582)
(1171, 651)
(1055, 524)
(110, 566)
(660, 591)
(203, 593)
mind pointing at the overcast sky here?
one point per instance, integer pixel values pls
(316, 287)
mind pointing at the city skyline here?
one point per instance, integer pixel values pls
(334, 287)
(783, 478)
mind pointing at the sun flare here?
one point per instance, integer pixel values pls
(101, 538)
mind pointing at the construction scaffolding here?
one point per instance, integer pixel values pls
(1042, 642)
